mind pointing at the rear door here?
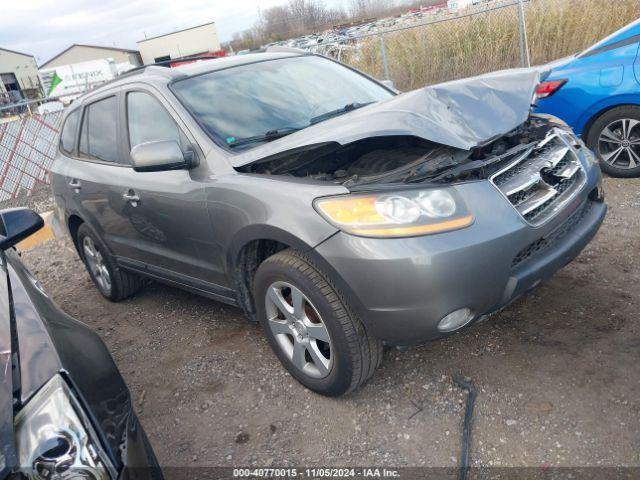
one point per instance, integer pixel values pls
(57, 173)
(96, 175)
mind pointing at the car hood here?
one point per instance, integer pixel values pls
(51, 342)
(461, 114)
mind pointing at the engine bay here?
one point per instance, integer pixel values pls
(397, 159)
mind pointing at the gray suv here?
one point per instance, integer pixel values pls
(338, 213)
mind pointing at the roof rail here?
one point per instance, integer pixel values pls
(284, 49)
(141, 69)
(166, 64)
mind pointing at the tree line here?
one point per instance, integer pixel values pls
(303, 17)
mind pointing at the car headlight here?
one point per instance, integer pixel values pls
(54, 438)
(399, 214)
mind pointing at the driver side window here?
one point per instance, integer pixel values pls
(149, 121)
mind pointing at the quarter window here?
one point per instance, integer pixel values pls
(149, 121)
(68, 135)
(98, 136)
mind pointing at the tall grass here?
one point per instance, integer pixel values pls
(489, 41)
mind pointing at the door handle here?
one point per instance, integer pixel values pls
(75, 184)
(131, 197)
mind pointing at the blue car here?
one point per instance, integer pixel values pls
(597, 93)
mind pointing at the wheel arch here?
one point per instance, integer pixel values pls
(73, 224)
(249, 248)
(74, 220)
(599, 109)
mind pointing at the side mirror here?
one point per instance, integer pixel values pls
(159, 156)
(16, 224)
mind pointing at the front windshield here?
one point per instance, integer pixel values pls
(264, 100)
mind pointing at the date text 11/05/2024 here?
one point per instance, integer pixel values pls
(315, 473)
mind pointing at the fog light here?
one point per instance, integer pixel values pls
(455, 320)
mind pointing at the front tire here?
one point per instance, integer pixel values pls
(112, 282)
(311, 328)
(615, 139)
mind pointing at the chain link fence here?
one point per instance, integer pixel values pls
(27, 150)
(481, 38)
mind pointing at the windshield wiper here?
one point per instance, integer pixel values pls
(281, 132)
(339, 111)
(265, 137)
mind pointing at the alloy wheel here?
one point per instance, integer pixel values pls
(298, 329)
(96, 264)
(619, 143)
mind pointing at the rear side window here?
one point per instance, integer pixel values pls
(149, 121)
(98, 139)
(68, 135)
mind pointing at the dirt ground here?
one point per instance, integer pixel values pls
(556, 373)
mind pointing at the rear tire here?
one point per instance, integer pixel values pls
(615, 139)
(112, 282)
(349, 354)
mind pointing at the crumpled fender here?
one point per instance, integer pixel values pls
(462, 114)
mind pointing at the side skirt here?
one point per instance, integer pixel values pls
(185, 282)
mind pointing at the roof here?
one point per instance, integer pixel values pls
(16, 52)
(126, 50)
(177, 31)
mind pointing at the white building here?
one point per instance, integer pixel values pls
(458, 4)
(78, 53)
(199, 40)
(81, 68)
(18, 77)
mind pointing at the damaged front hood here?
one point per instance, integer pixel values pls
(461, 114)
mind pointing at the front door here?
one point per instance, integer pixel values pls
(171, 230)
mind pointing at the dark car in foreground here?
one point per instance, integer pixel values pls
(65, 411)
(597, 93)
(337, 213)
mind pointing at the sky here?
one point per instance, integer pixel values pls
(44, 28)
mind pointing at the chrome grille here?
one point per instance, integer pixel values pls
(539, 179)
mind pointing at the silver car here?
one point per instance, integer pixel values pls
(338, 213)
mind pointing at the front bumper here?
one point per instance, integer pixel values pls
(138, 459)
(402, 288)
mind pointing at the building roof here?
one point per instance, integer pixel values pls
(177, 31)
(16, 52)
(87, 46)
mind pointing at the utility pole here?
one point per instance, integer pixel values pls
(524, 46)
(385, 62)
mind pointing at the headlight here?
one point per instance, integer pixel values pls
(54, 439)
(398, 214)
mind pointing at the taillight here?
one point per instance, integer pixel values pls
(546, 89)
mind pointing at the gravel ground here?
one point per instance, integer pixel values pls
(40, 199)
(556, 373)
